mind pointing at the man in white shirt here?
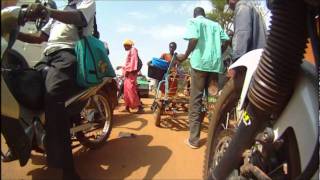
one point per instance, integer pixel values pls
(58, 67)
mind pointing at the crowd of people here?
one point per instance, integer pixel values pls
(205, 39)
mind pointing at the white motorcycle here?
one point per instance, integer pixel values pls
(265, 125)
(22, 114)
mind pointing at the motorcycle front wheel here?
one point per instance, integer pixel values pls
(98, 112)
(222, 124)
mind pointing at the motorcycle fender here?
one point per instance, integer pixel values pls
(250, 61)
(301, 114)
(89, 92)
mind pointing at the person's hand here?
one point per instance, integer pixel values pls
(35, 11)
(181, 57)
(126, 74)
(231, 73)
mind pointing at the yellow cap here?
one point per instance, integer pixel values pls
(128, 42)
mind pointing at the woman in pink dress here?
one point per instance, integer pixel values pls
(131, 97)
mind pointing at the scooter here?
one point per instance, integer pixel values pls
(22, 114)
(265, 125)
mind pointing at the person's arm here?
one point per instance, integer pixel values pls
(80, 17)
(85, 11)
(243, 31)
(35, 38)
(68, 17)
(224, 39)
(192, 34)
(38, 37)
(119, 67)
(191, 45)
(162, 56)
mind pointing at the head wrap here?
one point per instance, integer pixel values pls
(128, 42)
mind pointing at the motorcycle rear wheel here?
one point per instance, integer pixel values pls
(103, 117)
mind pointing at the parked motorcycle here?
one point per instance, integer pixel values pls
(265, 125)
(120, 85)
(22, 113)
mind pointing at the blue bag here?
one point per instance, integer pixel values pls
(93, 63)
(160, 63)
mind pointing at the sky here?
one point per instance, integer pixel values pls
(151, 24)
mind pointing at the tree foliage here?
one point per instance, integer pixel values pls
(220, 14)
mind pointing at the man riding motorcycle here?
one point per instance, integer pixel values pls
(58, 67)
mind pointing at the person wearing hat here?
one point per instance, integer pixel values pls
(130, 72)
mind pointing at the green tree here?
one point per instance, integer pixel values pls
(221, 14)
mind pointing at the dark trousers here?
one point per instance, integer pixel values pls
(200, 81)
(59, 70)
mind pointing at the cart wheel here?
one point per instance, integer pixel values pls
(157, 114)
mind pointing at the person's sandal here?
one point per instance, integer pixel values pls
(140, 111)
(8, 157)
(127, 110)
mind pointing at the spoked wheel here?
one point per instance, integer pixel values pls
(222, 124)
(97, 112)
(221, 143)
(157, 114)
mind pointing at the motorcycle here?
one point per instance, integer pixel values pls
(22, 113)
(265, 123)
(120, 83)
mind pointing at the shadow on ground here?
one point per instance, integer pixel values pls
(179, 123)
(121, 157)
(115, 160)
(121, 120)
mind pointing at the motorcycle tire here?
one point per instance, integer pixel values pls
(157, 114)
(225, 103)
(102, 139)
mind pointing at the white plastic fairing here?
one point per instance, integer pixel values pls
(301, 114)
(249, 60)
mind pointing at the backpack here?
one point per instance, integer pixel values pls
(139, 66)
(93, 63)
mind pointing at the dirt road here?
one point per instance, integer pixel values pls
(153, 153)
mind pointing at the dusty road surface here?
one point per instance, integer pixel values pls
(154, 153)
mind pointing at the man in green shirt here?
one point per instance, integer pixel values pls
(205, 39)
